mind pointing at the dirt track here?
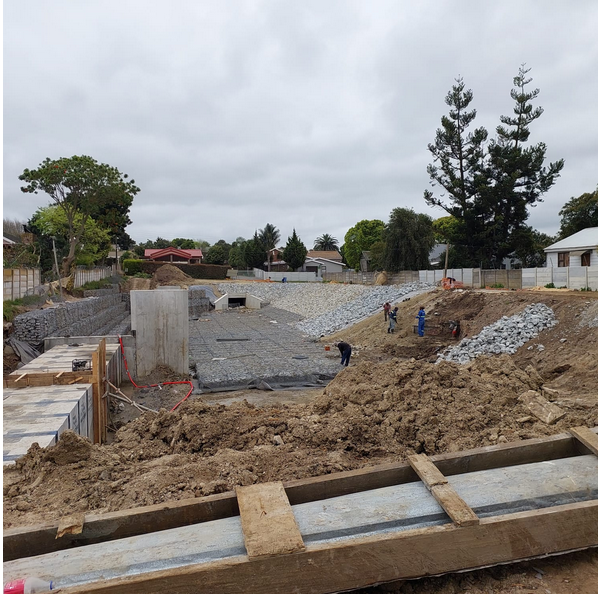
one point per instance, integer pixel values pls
(391, 402)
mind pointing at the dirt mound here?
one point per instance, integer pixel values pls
(171, 276)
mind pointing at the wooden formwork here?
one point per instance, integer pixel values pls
(278, 561)
(96, 376)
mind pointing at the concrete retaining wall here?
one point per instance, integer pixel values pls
(160, 322)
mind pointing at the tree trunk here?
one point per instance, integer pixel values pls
(66, 264)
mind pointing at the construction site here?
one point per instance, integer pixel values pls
(204, 437)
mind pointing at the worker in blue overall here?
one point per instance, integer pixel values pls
(421, 321)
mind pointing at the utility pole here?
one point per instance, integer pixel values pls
(60, 287)
(446, 261)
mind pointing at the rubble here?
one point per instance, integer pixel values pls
(504, 336)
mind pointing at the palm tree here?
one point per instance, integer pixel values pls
(326, 243)
(269, 237)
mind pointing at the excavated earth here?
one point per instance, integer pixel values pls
(392, 401)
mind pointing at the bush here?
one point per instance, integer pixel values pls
(197, 271)
(549, 286)
(497, 286)
(131, 267)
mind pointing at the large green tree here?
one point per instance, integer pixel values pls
(253, 252)
(409, 239)
(530, 247)
(326, 243)
(579, 213)
(295, 252)
(269, 237)
(236, 255)
(51, 221)
(215, 255)
(360, 238)
(83, 189)
(488, 188)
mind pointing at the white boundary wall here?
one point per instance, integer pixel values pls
(307, 277)
(572, 277)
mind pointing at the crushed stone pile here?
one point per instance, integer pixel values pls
(327, 308)
(506, 335)
(358, 309)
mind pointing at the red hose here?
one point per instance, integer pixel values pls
(154, 385)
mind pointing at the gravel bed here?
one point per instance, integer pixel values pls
(504, 336)
(305, 299)
(328, 307)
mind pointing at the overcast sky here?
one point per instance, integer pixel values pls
(310, 115)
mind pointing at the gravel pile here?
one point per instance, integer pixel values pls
(504, 336)
(327, 307)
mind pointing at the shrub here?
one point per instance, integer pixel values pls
(549, 286)
(11, 308)
(497, 286)
(198, 271)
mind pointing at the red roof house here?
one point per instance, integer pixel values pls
(173, 254)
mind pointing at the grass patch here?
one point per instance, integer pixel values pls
(14, 307)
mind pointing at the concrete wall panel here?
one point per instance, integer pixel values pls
(160, 321)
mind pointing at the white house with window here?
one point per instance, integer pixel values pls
(580, 249)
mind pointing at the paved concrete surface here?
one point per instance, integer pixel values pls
(239, 348)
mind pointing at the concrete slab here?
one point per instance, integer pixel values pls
(41, 414)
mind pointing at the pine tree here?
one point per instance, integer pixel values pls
(295, 252)
(517, 175)
(458, 168)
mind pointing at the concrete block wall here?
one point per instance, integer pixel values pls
(40, 414)
(88, 317)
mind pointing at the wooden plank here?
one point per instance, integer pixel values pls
(96, 395)
(28, 541)
(268, 522)
(456, 508)
(587, 437)
(363, 562)
(541, 408)
(426, 470)
(102, 388)
(37, 540)
(47, 379)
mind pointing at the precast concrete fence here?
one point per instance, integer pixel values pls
(19, 282)
(572, 277)
(85, 275)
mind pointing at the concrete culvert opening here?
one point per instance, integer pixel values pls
(234, 302)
